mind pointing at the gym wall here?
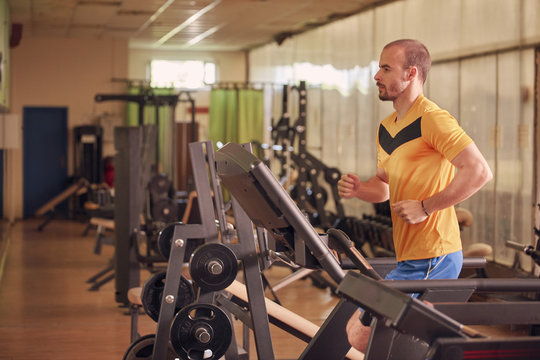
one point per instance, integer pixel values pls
(49, 71)
(483, 73)
(5, 26)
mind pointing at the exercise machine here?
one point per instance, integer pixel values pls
(50, 209)
(404, 327)
(213, 266)
(428, 332)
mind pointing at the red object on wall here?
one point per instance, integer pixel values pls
(109, 171)
(15, 35)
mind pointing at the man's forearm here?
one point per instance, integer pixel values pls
(374, 190)
(468, 180)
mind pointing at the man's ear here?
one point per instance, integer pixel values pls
(413, 72)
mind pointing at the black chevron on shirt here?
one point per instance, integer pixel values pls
(409, 133)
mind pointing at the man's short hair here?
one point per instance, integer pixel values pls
(416, 54)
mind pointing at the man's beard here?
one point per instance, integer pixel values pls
(385, 96)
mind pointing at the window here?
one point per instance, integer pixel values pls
(343, 80)
(188, 74)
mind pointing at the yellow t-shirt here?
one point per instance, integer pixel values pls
(415, 153)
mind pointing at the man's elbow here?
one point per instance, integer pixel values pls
(485, 175)
(381, 196)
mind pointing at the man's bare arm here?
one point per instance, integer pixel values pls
(374, 190)
(473, 173)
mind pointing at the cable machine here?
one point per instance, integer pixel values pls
(137, 175)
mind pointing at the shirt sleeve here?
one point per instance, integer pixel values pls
(442, 131)
(379, 160)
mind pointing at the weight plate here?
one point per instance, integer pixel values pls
(332, 175)
(159, 186)
(164, 210)
(312, 196)
(201, 331)
(142, 348)
(152, 293)
(165, 241)
(213, 266)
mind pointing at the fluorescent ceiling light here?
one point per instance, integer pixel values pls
(204, 35)
(155, 16)
(186, 23)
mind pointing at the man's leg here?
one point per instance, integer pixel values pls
(442, 267)
(357, 333)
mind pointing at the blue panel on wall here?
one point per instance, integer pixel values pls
(45, 156)
(1, 183)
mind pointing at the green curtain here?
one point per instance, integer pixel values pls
(250, 115)
(165, 133)
(132, 109)
(223, 114)
(236, 115)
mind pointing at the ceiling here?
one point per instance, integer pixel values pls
(209, 25)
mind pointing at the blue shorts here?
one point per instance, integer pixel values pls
(443, 267)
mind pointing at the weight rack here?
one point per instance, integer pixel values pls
(202, 159)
